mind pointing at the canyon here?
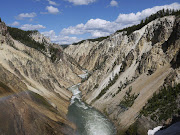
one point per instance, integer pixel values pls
(117, 75)
(139, 64)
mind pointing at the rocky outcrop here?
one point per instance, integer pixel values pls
(38, 37)
(4, 35)
(143, 62)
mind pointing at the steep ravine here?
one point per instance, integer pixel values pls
(88, 120)
(126, 70)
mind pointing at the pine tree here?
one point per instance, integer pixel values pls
(167, 11)
(0, 19)
(173, 11)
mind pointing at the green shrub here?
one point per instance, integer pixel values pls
(128, 99)
(144, 22)
(152, 17)
(162, 105)
(54, 53)
(119, 90)
(110, 83)
(96, 86)
(24, 37)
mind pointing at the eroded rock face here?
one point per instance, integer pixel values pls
(26, 71)
(142, 61)
(134, 65)
(4, 35)
(25, 112)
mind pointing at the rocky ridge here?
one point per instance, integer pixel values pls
(38, 37)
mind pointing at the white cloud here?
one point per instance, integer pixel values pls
(81, 2)
(26, 15)
(52, 3)
(97, 33)
(60, 39)
(97, 28)
(134, 18)
(32, 27)
(114, 3)
(52, 10)
(100, 27)
(15, 24)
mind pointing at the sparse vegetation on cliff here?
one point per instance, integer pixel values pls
(163, 105)
(144, 22)
(23, 37)
(152, 17)
(111, 82)
(53, 52)
(96, 86)
(128, 99)
(100, 65)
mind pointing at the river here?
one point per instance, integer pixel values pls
(88, 120)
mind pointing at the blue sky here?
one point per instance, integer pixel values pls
(67, 21)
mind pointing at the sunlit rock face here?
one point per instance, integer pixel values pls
(33, 94)
(121, 68)
(141, 62)
(38, 37)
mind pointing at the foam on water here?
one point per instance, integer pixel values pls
(82, 105)
(88, 120)
(76, 93)
(96, 124)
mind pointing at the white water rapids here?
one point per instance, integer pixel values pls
(88, 120)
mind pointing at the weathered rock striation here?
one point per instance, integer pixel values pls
(138, 64)
(33, 87)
